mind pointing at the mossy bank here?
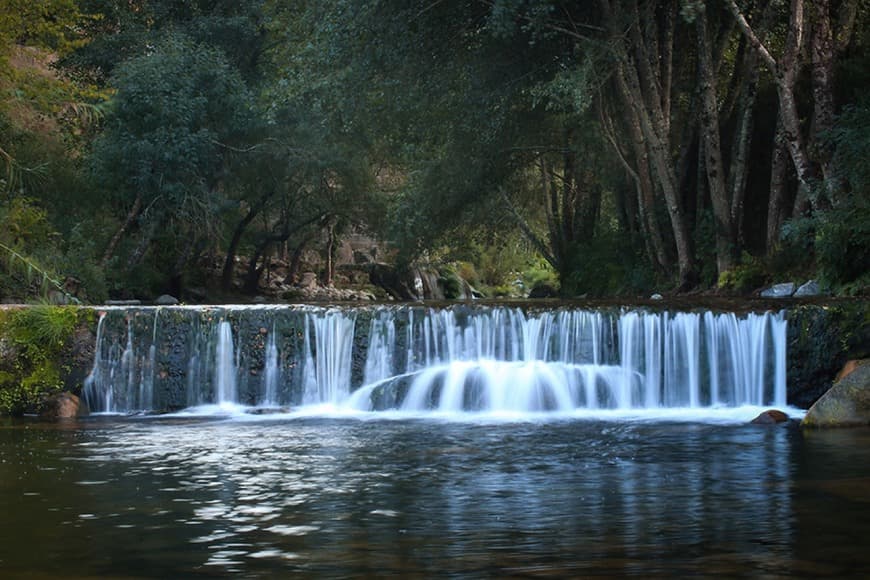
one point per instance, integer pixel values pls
(43, 350)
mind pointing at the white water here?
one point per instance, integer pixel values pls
(272, 376)
(328, 345)
(455, 360)
(225, 368)
(504, 361)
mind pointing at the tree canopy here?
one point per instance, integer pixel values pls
(622, 145)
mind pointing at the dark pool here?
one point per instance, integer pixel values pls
(318, 497)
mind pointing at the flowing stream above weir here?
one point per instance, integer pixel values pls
(460, 359)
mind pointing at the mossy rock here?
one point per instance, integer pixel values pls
(846, 404)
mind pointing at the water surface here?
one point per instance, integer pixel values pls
(349, 497)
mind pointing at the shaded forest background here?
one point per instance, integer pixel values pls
(605, 147)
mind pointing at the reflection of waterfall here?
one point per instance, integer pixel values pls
(484, 359)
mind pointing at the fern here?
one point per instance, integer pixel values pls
(32, 272)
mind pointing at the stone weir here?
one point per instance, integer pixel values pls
(450, 358)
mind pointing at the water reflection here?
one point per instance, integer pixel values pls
(191, 497)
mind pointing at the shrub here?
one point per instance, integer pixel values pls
(36, 336)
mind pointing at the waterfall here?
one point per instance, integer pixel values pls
(449, 360)
(225, 367)
(328, 356)
(96, 394)
(272, 376)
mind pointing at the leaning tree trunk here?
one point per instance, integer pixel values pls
(785, 74)
(235, 240)
(116, 239)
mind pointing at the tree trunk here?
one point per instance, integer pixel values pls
(739, 169)
(116, 239)
(296, 261)
(138, 253)
(823, 56)
(785, 73)
(329, 270)
(647, 107)
(645, 190)
(778, 181)
(235, 240)
(719, 198)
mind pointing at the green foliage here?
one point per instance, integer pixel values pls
(42, 328)
(749, 275)
(38, 334)
(610, 264)
(539, 273)
(450, 283)
(836, 241)
(52, 24)
(25, 232)
(171, 135)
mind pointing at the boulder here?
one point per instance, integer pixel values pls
(166, 300)
(543, 290)
(778, 290)
(847, 403)
(770, 417)
(811, 288)
(63, 405)
(308, 280)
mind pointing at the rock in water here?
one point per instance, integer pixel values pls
(847, 403)
(63, 406)
(166, 300)
(779, 291)
(770, 417)
(811, 288)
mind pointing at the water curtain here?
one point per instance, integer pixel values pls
(456, 359)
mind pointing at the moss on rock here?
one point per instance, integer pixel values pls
(846, 404)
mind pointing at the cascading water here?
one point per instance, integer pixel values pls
(328, 356)
(226, 365)
(502, 360)
(416, 359)
(273, 372)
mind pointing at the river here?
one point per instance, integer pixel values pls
(380, 495)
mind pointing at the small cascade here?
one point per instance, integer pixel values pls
(122, 378)
(96, 396)
(225, 367)
(380, 362)
(450, 360)
(328, 347)
(272, 374)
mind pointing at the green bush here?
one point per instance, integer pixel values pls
(37, 336)
(450, 283)
(745, 277)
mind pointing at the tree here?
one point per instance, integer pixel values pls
(177, 117)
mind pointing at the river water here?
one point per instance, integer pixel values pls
(262, 496)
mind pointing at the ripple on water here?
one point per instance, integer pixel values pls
(428, 498)
(292, 530)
